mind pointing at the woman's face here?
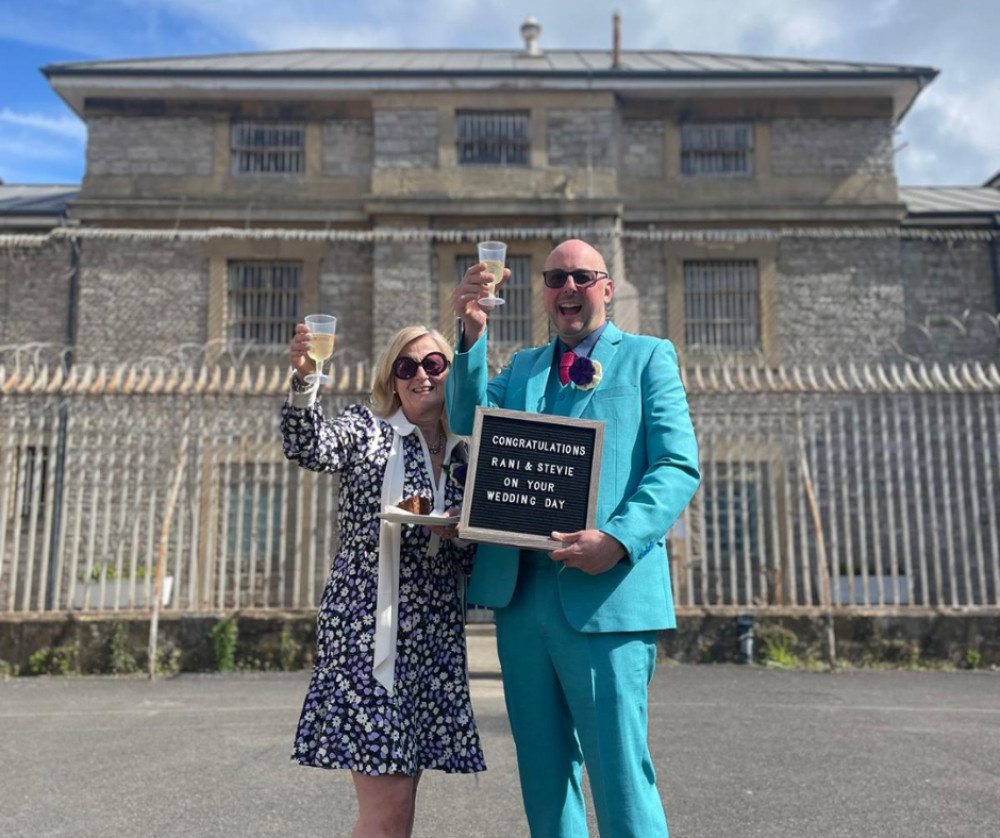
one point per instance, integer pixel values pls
(422, 396)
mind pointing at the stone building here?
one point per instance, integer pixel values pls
(748, 209)
(749, 206)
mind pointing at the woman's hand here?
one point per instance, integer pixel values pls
(297, 349)
(449, 530)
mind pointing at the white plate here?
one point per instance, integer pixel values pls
(401, 516)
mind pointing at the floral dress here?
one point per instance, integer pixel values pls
(348, 719)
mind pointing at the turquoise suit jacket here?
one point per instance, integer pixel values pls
(649, 472)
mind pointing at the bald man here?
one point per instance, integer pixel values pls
(577, 627)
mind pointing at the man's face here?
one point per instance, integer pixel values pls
(574, 311)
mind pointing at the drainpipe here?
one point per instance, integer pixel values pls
(60, 463)
(995, 264)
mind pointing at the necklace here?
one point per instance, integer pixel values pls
(436, 449)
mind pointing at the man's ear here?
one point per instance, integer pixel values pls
(609, 290)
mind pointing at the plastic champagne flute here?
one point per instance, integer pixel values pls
(322, 340)
(494, 254)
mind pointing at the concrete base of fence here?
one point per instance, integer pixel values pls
(901, 638)
(284, 640)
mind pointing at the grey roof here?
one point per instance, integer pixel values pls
(950, 200)
(35, 199)
(994, 181)
(326, 62)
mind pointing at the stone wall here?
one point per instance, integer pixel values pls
(406, 138)
(34, 297)
(643, 153)
(404, 289)
(831, 146)
(582, 137)
(838, 299)
(348, 147)
(138, 300)
(949, 298)
(346, 291)
(137, 146)
(646, 268)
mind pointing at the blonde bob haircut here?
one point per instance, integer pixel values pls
(385, 401)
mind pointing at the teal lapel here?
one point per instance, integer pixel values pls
(604, 352)
(538, 379)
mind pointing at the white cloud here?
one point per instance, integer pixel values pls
(63, 126)
(970, 116)
(775, 26)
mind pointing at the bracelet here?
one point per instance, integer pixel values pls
(299, 386)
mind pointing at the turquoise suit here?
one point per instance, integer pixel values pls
(577, 651)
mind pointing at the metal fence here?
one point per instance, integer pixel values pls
(839, 488)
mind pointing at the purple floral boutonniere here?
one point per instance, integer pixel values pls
(585, 373)
(457, 472)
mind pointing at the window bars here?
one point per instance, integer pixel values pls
(717, 149)
(265, 302)
(721, 306)
(268, 148)
(493, 138)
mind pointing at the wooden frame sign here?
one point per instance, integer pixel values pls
(530, 474)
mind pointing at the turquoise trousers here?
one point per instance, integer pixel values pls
(573, 698)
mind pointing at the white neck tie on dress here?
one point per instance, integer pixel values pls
(389, 542)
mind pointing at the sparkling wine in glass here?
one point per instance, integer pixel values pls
(322, 339)
(494, 254)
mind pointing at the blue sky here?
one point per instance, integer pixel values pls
(951, 137)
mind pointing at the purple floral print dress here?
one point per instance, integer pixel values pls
(348, 719)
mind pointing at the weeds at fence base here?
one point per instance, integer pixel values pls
(777, 643)
(57, 660)
(224, 635)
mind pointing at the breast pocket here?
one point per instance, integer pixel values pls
(624, 391)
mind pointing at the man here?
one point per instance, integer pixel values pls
(576, 628)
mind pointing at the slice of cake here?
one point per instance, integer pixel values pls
(416, 504)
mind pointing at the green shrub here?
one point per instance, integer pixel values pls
(973, 658)
(58, 660)
(288, 651)
(168, 661)
(777, 643)
(121, 661)
(224, 644)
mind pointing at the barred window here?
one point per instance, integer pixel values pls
(268, 148)
(493, 138)
(265, 301)
(721, 305)
(247, 537)
(509, 324)
(731, 515)
(717, 149)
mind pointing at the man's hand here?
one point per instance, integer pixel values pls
(297, 349)
(465, 302)
(591, 551)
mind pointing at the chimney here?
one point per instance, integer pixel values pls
(616, 55)
(530, 30)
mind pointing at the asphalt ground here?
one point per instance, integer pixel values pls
(740, 751)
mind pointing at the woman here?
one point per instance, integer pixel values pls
(389, 696)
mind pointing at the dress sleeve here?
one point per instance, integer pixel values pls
(329, 445)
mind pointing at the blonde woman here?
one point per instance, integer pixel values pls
(389, 696)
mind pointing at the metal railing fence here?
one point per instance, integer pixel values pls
(837, 487)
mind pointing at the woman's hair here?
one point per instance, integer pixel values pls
(385, 402)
